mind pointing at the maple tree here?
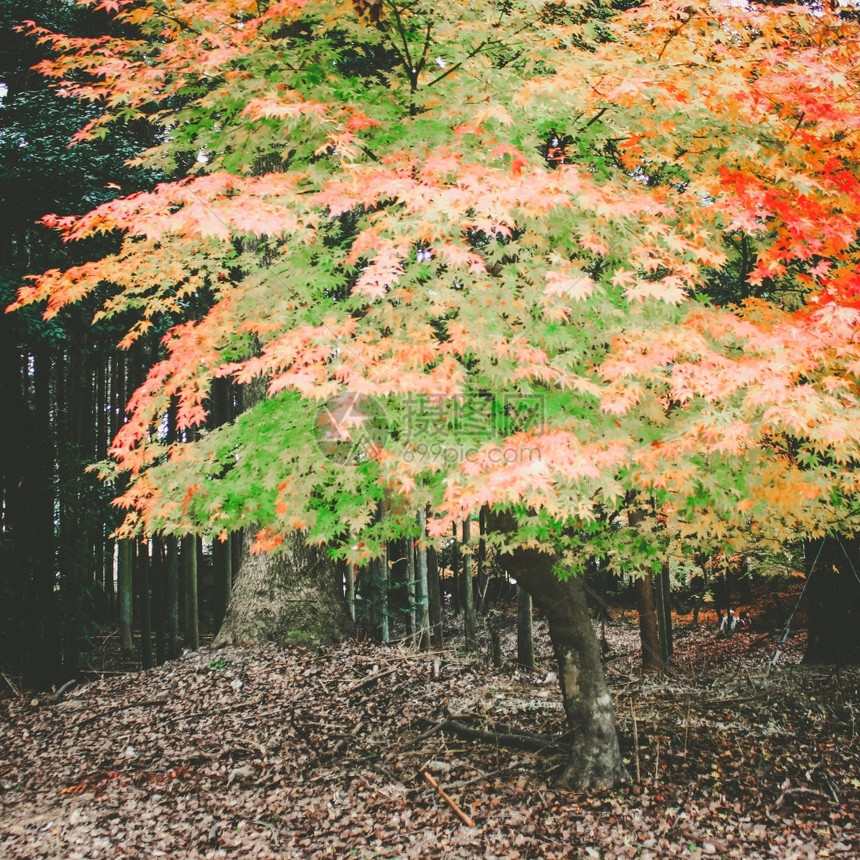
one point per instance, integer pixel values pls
(366, 205)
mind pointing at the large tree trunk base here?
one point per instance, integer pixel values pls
(292, 597)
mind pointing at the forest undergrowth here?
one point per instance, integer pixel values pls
(362, 751)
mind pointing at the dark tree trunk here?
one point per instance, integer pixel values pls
(294, 596)
(29, 614)
(222, 567)
(456, 579)
(156, 579)
(480, 602)
(381, 578)
(662, 587)
(78, 497)
(434, 595)
(833, 595)
(648, 628)
(422, 588)
(172, 595)
(595, 758)
(145, 604)
(192, 609)
(349, 578)
(525, 630)
(125, 589)
(468, 591)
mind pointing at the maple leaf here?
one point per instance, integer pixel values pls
(570, 284)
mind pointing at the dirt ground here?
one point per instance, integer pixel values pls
(290, 753)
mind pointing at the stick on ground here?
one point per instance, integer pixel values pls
(466, 819)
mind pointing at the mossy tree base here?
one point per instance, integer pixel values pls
(292, 597)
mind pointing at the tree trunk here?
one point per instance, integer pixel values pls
(383, 580)
(833, 594)
(156, 580)
(468, 590)
(349, 574)
(434, 597)
(595, 758)
(145, 597)
(293, 596)
(422, 589)
(480, 603)
(125, 587)
(456, 579)
(648, 629)
(222, 567)
(172, 596)
(662, 587)
(525, 630)
(192, 608)
(29, 614)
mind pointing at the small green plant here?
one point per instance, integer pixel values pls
(216, 664)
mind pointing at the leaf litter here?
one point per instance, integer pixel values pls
(353, 751)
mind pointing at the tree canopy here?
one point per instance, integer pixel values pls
(566, 259)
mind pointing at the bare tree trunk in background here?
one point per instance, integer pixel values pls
(525, 630)
(222, 565)
(156, 580)
(383, 578)
(349, 574)
(652, 662)
(468, 590)
(192, 608)
(456, 579)
(143, 588)
(833, 601)
(434, 598)
(480, 604)
(125, 587)
(171, 545)
(422, 588)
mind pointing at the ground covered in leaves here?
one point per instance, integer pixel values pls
(293, 753)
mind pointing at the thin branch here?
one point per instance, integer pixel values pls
(672, 35)
(12, 687)
(466, 819)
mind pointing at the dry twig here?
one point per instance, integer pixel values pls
(466, 819)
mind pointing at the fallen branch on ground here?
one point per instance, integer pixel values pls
(466, 819)
(522, 741)
(63, 690)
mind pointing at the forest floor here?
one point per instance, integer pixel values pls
(292, 753)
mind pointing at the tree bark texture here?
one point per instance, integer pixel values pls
(192, 608)
(434, 598)
(662, 587)
(595, 758)
(125, 587)
(293, 596)
(525, 630)
(648, 630)
(468, 591)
